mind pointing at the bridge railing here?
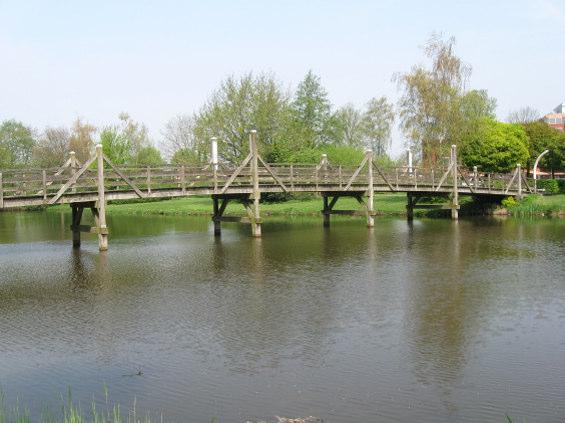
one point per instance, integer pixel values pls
(48, 183)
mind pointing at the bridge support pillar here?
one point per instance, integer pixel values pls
(216, 218)
(326, 212)
(101, 209)
(370, 190)
(255, 215)
(454, 211)
(75, 225)
(455, 194)
(410, 207)
(252, 208)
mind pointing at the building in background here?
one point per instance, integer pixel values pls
(557, 118)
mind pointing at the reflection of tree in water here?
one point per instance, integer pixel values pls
(279, 298)
(444, 307)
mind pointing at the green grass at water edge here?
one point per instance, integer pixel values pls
(392, 204)
(538, 205)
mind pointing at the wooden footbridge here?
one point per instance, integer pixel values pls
(91, 184)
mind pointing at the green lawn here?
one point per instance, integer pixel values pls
(385, 203)
(537, 205)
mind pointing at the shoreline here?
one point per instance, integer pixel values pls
(393, 205)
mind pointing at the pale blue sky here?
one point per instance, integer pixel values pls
(157, 59)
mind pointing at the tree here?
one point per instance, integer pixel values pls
(474, 106)
(186, 157)
(430, 110)
(496, 147)
(81, 140)
(116, 145)
(524, 115)
(312, 110)
(135, 132)
(377, 125)
(239, 105)
(347, 126)
(52, 148)
(179, 134)
(542, 137)
(5, 158)
(127, 141)
(16, 142)
(149, 156)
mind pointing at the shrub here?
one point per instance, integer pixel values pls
(561, 183)
(509, 202)
(496, 147)
(550, 186)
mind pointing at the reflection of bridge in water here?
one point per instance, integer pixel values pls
(92, 184)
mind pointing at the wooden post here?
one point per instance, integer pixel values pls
(292, 176)
(475, 178)
(73, 163)
(340, 177)
(324, 167)
(256, 222)
(519, 173)
(316, 178)
(44, 183)
(148, 180)
(102, 228)
(183, 180)
(416, 178)
(396, 175)
(455, 195)
(75, 223)
(326, 212)
(410, 206)
(488, 179)
(371, 189)
(214, 161)
(216, 218)
(433, 179)
(1, 192)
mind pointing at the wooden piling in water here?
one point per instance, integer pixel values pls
(455, 193)
(409, 206)
(370, 189)
(256, 221)
(1, 192)
(216, 218)
(326, 212)
(101, 204)
(75, 223)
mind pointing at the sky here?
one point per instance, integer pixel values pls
(60, 60)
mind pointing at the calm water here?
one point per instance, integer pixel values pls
(434, 321)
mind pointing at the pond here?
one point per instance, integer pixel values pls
(426, 321)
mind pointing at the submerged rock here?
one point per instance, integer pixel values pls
(310, 419)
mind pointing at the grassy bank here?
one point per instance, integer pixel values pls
(385, 204)
(537, 205)
(390, 204)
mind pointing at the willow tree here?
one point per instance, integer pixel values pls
(430, 108)
(81, 140)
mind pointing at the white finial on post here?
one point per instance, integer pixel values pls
(409, 159)
(215, 152)
(324, 161)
